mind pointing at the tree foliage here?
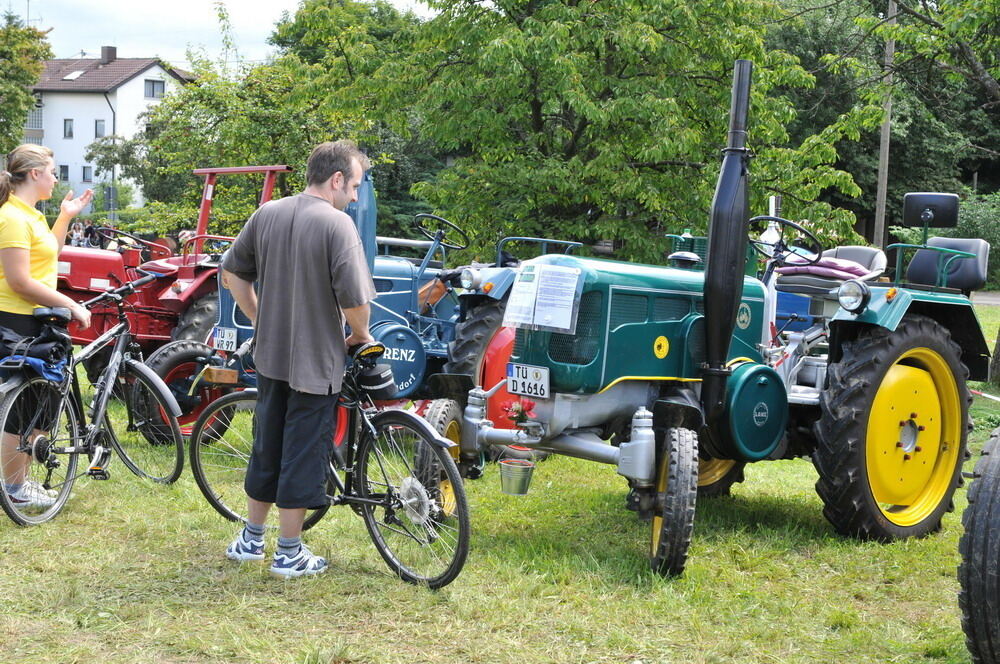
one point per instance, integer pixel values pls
(23, 51)
(588, 121)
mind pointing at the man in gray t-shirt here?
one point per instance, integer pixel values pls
(306, 258)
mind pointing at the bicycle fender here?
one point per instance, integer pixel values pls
(418, 423)
(157, 383)
(9, 384)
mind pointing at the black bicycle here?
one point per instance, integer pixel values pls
(46, 426)
(390, 466)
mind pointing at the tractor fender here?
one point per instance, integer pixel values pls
(952, 310)
(202, 283)
(494, 284)
(157, 383)
(415, 422)
(678, 406)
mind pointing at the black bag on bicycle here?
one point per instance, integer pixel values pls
(52, 345)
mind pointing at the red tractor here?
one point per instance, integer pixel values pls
(182, 307)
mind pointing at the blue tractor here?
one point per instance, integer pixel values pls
(435, 322)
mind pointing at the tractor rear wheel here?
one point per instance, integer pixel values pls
(676, 494)
(196, 322)
(717, 476)
(892, 431)
(178, 363)
(467, 354)
(980, 551)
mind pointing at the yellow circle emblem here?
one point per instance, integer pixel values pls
(661, 347)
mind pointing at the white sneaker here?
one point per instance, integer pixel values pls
(31, 494)
(38, 486)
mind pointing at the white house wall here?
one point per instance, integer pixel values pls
(129, 101)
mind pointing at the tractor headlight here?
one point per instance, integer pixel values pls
(854, 295)
(469, 279)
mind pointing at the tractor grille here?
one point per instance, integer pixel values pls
(699, 306)
(628, 309)
(670, 308)
(582, 347)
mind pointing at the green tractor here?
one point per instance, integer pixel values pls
(679, 376)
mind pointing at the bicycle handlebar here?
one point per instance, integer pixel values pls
(125, 289)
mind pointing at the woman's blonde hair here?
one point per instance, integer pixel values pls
(20, 161)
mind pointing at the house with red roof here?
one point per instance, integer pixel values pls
(82, 99)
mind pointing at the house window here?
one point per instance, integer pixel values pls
(98, 128)
(154, 89)
(35, 119)
(63, 173)
(88, 173)
(67, 129)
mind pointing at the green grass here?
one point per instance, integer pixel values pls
(133, 572)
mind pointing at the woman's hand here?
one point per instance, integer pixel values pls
(74, 206)
(81, 315)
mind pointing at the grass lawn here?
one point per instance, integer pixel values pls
(133, 572)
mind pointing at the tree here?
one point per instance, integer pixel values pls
(588, 121)
(23, 51)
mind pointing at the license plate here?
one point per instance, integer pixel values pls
(225, 338)
(527, 380)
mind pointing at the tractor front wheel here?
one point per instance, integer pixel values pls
(980, 549)
(676, 493)
(178, 363)
(892, 431)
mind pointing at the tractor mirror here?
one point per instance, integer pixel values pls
(929, 210)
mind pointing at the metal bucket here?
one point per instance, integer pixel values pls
(515, 476)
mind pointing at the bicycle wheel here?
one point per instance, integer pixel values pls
(142, 431)
(36, 425)
(221, 443)
(420, 524)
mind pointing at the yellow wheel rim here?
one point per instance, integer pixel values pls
(657, 522)
(711, 471)
(913, 437)
(449, 504)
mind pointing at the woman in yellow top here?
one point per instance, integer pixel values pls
(28, 267)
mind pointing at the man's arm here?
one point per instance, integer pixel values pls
(357, 318)
(244, 293)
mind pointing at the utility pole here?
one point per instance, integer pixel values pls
(878, 237)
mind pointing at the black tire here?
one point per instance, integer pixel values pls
(465, 356)
(978, 575)
(178, 363)
(196, 322)
(892, 431)
(445, 416)
(716, 477)
(143, 431)
(221, 442)
(40, 432)
(676, 495)
(420, 532)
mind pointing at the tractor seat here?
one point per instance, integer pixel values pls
(835, 266)
(965, 274)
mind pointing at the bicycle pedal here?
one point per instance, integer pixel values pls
(97, 473)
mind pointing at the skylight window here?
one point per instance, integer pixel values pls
(73, 75)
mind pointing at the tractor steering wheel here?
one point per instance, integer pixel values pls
(109, 233)
(780, 251)
(443, 225)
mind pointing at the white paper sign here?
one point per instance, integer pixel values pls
(544, 297)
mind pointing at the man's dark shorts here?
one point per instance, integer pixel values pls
(291, 446)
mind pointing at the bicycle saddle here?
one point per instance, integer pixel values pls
(369, 351)
(54, 315)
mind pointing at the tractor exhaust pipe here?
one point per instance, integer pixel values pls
(727, 247)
